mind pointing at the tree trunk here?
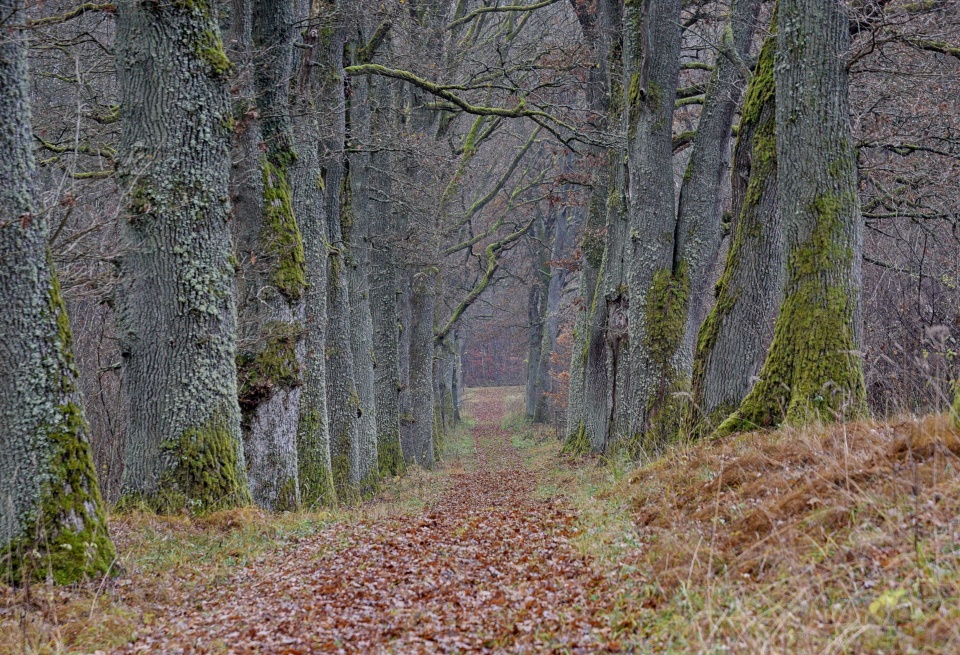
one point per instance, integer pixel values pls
(357, 240)
(551, 320)
(586, 403)
(736, 333)
(611, 404)
(343, 401)
(456, 382)
(405, 314)
(658, 290)
(176, 305)
(313, 428)
(52, 520)
(536, 309)
(700, 211)
(955, 412)
(418, 446)
(813, 370)
(271, 279)
(384, 285)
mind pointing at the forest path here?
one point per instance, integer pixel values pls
(489, 568)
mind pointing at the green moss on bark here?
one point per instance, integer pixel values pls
(760, 102)
(282, 239)
(67, 538)
(67, 541)
(390, 460)
(204, 473)
(316, 478)
(666, 319)
(812, 371)
(340, 472)
(209, 48)
(577, 443)
(276, 365)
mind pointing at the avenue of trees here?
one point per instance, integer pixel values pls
(288, 234)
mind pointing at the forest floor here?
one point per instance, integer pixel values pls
(843, 539)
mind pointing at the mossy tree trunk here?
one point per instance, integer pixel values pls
(52, 520)
(313, 428)
(813, 369)
(658, 289)
(734, 337)
(271, 278)
(176, 307)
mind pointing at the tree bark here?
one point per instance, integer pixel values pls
(418, 448)
(343, 401)
(271, 279)
(587, 406)
(699, 212)
(658, 290)
(551, 319)
(813, 370)
(536, 310)
(736, 333)
(357, 241)
(52, 519)
(313, 428)
(176, 305)
(384, 284)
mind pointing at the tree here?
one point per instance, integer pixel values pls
(311, 95)
(343, 401)
(658, 284)
(733, 339)
(271, 279)
(176, 304)
(52, 521)
(813, 369)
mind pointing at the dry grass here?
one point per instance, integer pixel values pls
(840, 539)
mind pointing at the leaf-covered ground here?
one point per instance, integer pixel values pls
(825, 540)
(488, 568)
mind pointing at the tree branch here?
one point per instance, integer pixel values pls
(493, 264)
(487, 10)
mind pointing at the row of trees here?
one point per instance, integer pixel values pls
(655, 356)
(301, 223)
(281, 227)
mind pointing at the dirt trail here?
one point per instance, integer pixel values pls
(489, 568)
